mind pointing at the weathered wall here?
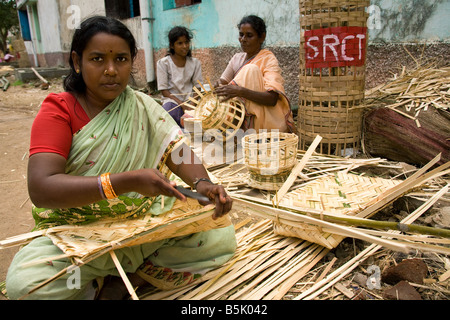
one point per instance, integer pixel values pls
(407, 31)
(58, 20)
(392, 23)
(213, 22)
(413, 21)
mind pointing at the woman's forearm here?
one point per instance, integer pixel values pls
(50, 187)
(64, 191)
(266, 98)
(187, 165)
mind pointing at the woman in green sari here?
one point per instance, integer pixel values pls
(100, 150)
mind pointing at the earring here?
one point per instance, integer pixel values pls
(77, 71)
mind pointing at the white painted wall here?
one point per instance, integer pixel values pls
(49, 24)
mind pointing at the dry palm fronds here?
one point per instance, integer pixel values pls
(342, 199)
(265, 266)
(236, 175)
(414, 90)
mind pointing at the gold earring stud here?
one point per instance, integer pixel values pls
(77, 71)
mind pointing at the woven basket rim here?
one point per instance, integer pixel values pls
(225, 116)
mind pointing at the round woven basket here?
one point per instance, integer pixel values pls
(225, 117)
(269, 158)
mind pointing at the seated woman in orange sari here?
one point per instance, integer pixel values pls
(254, 75)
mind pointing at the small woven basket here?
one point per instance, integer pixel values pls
(269, 158)
(341, 193)
(225, 117)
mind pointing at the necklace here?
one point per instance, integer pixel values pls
(91, 112)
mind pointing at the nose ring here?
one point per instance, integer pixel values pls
(105, 72)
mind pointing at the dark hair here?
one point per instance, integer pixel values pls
(175, 33)
(88, 28)
(256, 22)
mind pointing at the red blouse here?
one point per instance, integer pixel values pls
(58, 119)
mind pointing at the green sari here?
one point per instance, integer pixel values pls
(133, 132)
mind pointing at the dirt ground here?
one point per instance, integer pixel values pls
(18, 107)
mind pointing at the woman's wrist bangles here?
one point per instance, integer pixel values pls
(196, 181)
(105, 186)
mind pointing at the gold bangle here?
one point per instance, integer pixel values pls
(107, 186)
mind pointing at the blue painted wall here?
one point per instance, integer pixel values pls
(201, 19)
(213, 22)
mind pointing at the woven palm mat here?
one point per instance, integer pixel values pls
(99, 237)
(85, 243)
(341, 193)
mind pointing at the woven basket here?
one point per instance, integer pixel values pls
(224, 117)
(94, 239)
(341, 193)
(329, 96)
(269, 158)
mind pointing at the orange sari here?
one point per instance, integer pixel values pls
(261, 73)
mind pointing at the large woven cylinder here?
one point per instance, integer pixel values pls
(332, 73)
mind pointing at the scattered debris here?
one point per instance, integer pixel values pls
(4, 83)
(45, 84)
(402, 291)
(411, 270)
(414, 90)
(408, 118)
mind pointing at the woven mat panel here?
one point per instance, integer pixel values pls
(309, 233)
(342, 193)
(99, 237)
(329, 95)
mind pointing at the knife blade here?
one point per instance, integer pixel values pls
(192, 194)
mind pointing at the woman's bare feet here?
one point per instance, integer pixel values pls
(114, 288)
